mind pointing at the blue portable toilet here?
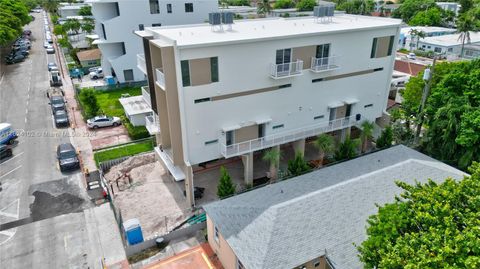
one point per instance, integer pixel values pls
(133, 231)
(110, 80)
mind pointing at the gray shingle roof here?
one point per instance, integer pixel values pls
(286, 224)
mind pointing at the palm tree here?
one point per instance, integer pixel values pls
(347, 149)
(367, 130)
(273, 157)
(325, 144)
(264, 7)
(465, 24)
(416, 34)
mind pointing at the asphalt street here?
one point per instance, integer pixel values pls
(43, 217)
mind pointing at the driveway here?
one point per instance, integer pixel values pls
(197, 257)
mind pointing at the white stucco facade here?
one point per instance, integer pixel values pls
(115, 22)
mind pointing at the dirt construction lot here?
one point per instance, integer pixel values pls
(145, 192)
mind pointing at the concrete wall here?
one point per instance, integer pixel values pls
(294, 106)
(221, 248)
(132, 14)
(138, 119)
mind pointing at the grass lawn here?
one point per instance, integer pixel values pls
(127, 150)
(108, 100)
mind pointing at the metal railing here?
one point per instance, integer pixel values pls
(286, 69)
(285, 137)
(146, 95)
(160, 78)
(324, 64)
(141, 63)
(152, 124)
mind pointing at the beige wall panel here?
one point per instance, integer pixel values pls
(200, 71)
(305, 54)
(246, 133)
(221, 248)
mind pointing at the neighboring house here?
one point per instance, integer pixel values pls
(472, 51)
(136, 109)
(450, 6)
(116, 20)
(408, 41)
(67, 10)
(89, 58)
(447, 44)
(264, 83)
(315, 218)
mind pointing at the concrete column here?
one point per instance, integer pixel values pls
(344, 133)
(299, 146)
(247, 160)
(189, 185)
(277, 148)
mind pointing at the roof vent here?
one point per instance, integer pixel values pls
(324, 11)
(218, 19)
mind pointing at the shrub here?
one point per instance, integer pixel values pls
(225, 186)
(305, 5)
(386, 138)
(298, 165)
(135, 132)
(284, 4)
(89, 103)
(347, 149)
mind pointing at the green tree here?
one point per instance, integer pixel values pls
(88, 25)
(272, 156)
(263, 7)
(386, 138)
(85, 11)
(13, 15)
(51, 5)
(417, 34)
(58, 30)
(347, 149)
(431, 225)
(73, 25)
(409, 8)
(367, 131)
(225, 185)
(362, 7)
(466, 23)
(429, 17)
(325, 145)
(306, 5)
(284, 4)
(64, 43)
(90, 103)
(298, 165)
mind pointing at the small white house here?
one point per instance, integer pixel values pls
(447, 44)
(136, 109)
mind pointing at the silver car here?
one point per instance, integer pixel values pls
(103, 121)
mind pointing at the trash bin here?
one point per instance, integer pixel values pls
(133, 231)
(159, 242)
(110, 80)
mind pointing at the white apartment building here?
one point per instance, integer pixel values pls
(449, 45)
(259, 84)
(116, 20)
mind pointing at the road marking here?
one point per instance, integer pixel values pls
(9, 172)
(25, 119)
(65, 242)
(11, 232)
(16, 155)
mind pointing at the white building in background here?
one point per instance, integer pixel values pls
(450, 6)
(264, 83)
(408, 41)
(115, 21)
(67, 10)
(449, 45)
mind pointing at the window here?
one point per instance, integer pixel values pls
(317, 80)
(215, 236)
(437, 50)
(319, 117)
(277, 126)
(128, 74)
(285, 86)
(156, 24)
(140, 27)
(211, 142)
(450, 49)
(261, 130)
(378, 69)
(283, 56)
(316, 263)
(103, 31)
(188, 7)
(333, 113)
(229, 138)
(154, 7)
(123, 48)
(169, 8)
(208, 99)
(369, 105)
(349, 110)
(323, 51)
(382, 46)
(214, 69)
(185, 73)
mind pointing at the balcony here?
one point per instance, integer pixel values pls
(286, 70)
(152, 124)
(160, 80)
(324, 64)
(141, 63)
(285, 137)
(146, 95)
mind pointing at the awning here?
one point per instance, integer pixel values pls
(350, 101)
(175, 171)
(335, 104)
(231, 128)
(263, 120)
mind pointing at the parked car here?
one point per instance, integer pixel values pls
(52, 66)
(50, 49)
(103, 121)
(57, 103)
(5, 151)
(21, 46)
(17, 58)
(67, 157)
(96, 74)
(412, 56)
(93, 69)
(45, 44)
(61, 118)
(27, 32)
(23, 52)
(7, 134)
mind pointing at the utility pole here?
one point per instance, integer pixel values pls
(427, 76)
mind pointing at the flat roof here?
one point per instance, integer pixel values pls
(269, 28)
(450, 40)
(426, 29)
(135, 105)
(285, 224)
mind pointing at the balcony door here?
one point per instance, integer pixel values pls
(283, 60)
(323, 52)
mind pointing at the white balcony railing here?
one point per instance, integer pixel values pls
(286, 70)
(141, 63)
(160, 78)
(152, 124)
(285, 137)
(324, 64)
(146, 95)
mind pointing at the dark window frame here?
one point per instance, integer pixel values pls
(155, 9)
(185, 68)
(169, 8)
(188, 7)
(214, 69)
